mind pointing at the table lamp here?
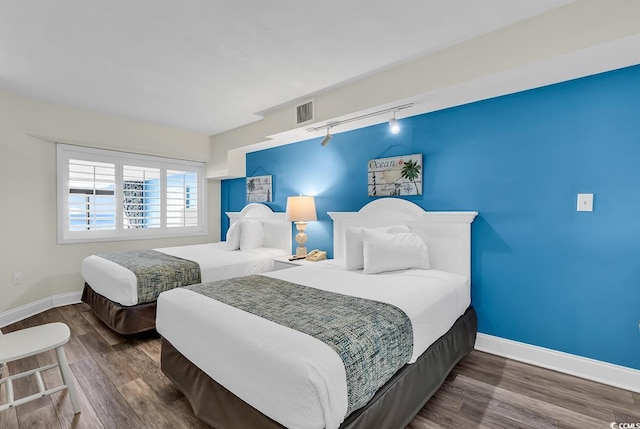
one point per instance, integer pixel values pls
(300, 210)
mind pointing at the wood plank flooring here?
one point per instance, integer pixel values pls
(120, 385)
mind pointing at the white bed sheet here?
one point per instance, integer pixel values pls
(301, 386)
(119, 284)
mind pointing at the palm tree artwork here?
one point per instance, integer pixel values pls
(374, 190)
(259, 189)
(251, 186)
(411, 172)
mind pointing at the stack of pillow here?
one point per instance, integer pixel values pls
(389, 248)
(245, 235)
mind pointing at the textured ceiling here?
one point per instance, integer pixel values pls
(213, 65)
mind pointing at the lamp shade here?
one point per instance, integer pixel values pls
(301, 209)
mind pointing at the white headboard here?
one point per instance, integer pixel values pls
(447, 234)
(277, 230)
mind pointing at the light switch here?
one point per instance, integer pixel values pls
(585, 202)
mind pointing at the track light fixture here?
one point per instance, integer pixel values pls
(393, 123)
(326, 139)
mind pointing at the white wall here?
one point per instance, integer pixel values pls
(28, 189)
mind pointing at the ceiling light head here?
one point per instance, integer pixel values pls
(326, 139)
(394, 125)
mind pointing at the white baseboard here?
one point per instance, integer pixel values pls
(31, 309)
(591, 369)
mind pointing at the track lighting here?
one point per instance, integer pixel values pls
(394, 125)
(326, 139)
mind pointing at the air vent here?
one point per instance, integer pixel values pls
(304, 112)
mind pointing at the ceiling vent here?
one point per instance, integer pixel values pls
(304, 113)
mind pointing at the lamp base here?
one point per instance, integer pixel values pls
(301, 239)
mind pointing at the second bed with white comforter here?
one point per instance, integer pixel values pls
(120, 285)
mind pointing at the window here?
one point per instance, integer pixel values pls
(109, 195)
(141, 197)
(91, 199)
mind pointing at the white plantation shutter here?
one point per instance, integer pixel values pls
(91, 190)
(182, 198)
(141, 197)
(107, 195)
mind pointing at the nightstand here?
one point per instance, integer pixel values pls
(283, 262)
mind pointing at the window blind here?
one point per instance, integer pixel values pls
(91, 195)
(141, 197)
(107, 195)
(182, 198)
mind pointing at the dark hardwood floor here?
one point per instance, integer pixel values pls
(120, 385)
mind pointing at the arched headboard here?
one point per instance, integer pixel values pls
(254, 211)
(447, 234)
(277, 230)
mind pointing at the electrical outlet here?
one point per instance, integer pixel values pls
(17, 279)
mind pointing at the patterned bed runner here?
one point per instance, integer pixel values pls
(156, 271)
(373, 339)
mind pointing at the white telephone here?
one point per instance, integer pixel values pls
(316, 255)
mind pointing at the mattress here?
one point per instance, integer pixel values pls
(119, 284)
(302, 386)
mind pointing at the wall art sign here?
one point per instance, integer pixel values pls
(259, 189)
(395, 176)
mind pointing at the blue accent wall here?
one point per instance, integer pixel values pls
(542, 273)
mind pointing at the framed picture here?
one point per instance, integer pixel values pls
(396, 176)
(259, 189)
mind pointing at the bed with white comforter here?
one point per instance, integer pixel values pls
(240, 370)
(113, 291)
(293, 368)
(216, 262)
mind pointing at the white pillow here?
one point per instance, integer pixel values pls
(273, 232)
(354, 258)
(233, 236)
(392, 252)
(251, 235)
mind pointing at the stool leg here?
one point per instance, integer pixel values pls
(67, 377)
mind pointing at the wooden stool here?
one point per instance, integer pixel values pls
(31, 341)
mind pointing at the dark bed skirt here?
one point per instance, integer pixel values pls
(392, 407)
(124, 320)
